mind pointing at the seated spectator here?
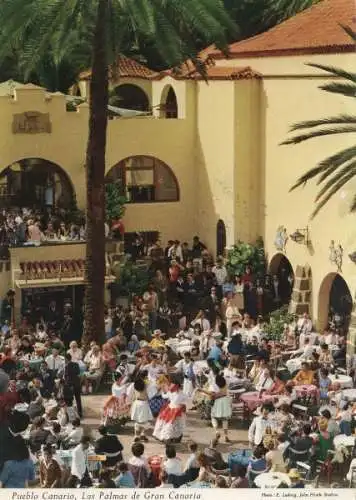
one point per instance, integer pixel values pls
(164, 480)
(74, 436)
(256, 466)
(278, 386)
(213, 456)
(221, 482)
(94, 370)
(105, 479)
(295, 478)
(172, 465)
(50, 471)
(20, 470)
(344, 418)
(325, 357)
(305, 376)
(300, 447)
(192, 461)
(274, 456)
(138, 465)
(333, 427)
(241, 480)
(38, 434)
(55, 437)
(110, 446)
(125, 478)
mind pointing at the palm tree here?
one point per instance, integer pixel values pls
(336, 170)
(174, 25)
(280, 10)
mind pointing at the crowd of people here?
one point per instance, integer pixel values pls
(193, 343)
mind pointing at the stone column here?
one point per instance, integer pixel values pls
(301, 296)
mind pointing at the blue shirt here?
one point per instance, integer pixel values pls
(15, 474)
(125, 480)
(215, 353)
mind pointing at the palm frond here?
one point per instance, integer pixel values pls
(336, 187)
(346, 89)
(350, 32)
(333, 120)
(353, 204)
(338, 176)
(337, 72)
(319, 133)
(326, 167)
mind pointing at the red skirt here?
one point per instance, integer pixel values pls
(169, 415)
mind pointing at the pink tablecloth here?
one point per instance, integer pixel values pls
(253, 399)
(306, 389)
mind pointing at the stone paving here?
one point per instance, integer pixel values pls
(196, 430)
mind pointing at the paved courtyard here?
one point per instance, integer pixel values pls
(196, 430)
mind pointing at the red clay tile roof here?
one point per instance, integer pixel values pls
(127, 68)
(314, 31)
(225, 73)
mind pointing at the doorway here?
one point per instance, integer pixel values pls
(220, 238)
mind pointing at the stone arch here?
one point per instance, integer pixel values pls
(145, 179)
(281, 267)
(129, 96)
(168, 103)
(33, 181)
(334, 297)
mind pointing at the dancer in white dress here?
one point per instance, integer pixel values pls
(170, 423)
(140, 411)
(222, 408)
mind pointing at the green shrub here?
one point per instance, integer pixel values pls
(275, 327)
(245, 254)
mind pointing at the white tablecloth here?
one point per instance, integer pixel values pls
(272, 480)
(350, 394)
(344, 380)
(343, 440)
(199, 367)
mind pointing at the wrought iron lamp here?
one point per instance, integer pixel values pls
(301, 236)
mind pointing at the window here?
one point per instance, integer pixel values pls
(145, 180)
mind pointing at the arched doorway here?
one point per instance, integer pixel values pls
(128, 96)
(35, 183)
(220, 238)
(169, 103)
(334, 302)
(281, 275)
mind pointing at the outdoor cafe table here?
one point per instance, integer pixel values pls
(254, 399)
(345, 381)
(350, 394)
(343, 440)
(272, 480)
(306, 389)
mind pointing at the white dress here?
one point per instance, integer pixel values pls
(171, 420)
(140, 410)
(222, 408)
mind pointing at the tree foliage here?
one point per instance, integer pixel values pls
(277, 321)
(60, 61)
(115, 201)
(245, 254)
(334, 172)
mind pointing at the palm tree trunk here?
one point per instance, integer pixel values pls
(95, 185)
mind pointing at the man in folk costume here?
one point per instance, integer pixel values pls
(186, 367)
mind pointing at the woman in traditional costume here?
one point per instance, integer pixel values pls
(140, 411)
(117, 408)
(170, 423)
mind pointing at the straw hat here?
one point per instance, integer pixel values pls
(294, 474)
